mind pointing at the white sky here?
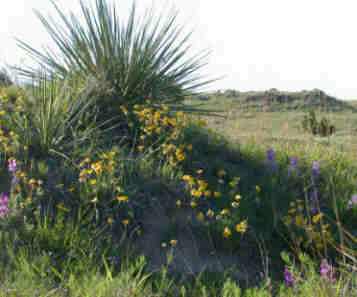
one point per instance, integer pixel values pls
(285, 44)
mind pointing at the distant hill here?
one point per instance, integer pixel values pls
(275, 100)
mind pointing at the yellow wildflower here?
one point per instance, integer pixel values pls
(298, 220)
(193, 204)
(122, 198)
(32, 181)
(242, 227)
(288, 220)
(210, 213)
(227, 232)
(224, 212)
(221, 172)
(200, 216)
(235, 204)
(207, 193)
(316, 218)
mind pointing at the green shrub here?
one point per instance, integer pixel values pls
(312, 125)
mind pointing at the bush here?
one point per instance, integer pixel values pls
(312, 125)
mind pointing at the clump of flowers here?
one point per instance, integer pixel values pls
(314, 192)
(271, 160)
(293, 165)
(3, 204)
(326, 271)
(12, 169)
(289, 278)
(315, 172)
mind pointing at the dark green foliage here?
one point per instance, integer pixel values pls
(312, 125)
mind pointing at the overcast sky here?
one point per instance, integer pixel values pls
(285, 44)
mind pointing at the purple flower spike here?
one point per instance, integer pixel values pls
(270, 155)
(3, 204)
(14, 179)
(314, 198)
(293, 162)
(314, 195)
(315, 167)
(271, 159)
(288, 277)
(326, 270)
(315, 171)
(3, 198)
(12, 165)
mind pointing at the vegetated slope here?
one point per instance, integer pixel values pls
(275, 100)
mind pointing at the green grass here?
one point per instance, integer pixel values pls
(60, 253)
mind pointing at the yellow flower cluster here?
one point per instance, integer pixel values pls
(97, 167)
(28, 187)
(296, 218)
(198, 188)
(155, 122)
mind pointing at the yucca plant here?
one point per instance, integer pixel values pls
(130, 63)
(55, 124)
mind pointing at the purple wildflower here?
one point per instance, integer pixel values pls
(271, 159)
(3, 204)
(314, 198)
(315, 171)
(270, 155)
(3, 198)
(288, 277)
(314, 195)
(14, 179)
(353, 201)
(293, 164)
(12, 165)
(326, 270)
(315, 167)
